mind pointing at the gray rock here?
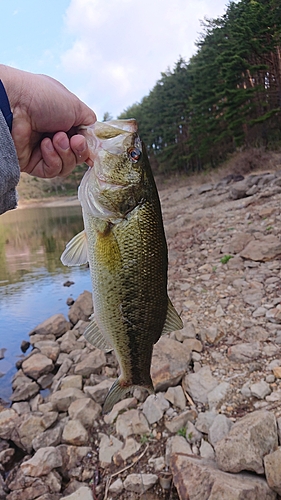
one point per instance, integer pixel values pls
(206, 450)
(176, 396)
(260, 389)
(25, 391)
(36, 365)
(56, 325)
(272, 466)
(49, 348)
(219, 428)
(140, 483)
(243, 353)
(61, 400)
(154, 407)
(109, 445)
(169, 363)
(92, 363)
(131, 446)
(9, 420)
(50, 437)
(199, 384)
(192, 435)
(85, 410)
(72, 381)
(44, 460)
(218, 394)
(131, 422)
(75, 433)
(116, 487)
(99, 391)
(82, 493)
(250, 439)
(204, 421)
(82, 308)
(176, 444)
(268, 248)
(197, 478)
(179, 421)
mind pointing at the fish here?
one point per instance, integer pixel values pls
(124, 243)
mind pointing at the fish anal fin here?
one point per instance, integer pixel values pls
(173, 321)
(76, 251)
(93, 335)
(119, 391)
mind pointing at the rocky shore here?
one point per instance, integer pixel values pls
(213, 430)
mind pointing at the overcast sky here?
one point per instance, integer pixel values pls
(109, 52)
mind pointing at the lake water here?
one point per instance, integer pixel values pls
(32, 276)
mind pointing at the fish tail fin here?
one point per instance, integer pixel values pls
(117, 392)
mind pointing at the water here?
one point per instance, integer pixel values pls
(32, 276)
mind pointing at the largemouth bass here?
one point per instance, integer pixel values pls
(125, 245)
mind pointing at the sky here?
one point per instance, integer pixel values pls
(108, 52)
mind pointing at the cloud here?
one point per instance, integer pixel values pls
(120, 47)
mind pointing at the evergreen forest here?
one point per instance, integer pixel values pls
(227, 97)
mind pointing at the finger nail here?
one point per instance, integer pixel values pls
(80, 148)
(64, 143)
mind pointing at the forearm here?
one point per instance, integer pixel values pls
(9, 169)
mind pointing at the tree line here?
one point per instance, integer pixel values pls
(227, 96)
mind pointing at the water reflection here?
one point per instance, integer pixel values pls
(35, 237)
(32, 275)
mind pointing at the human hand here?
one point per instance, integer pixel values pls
(46, 119)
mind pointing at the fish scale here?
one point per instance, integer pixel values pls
(124, 243)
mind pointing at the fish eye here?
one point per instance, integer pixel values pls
(134, 154)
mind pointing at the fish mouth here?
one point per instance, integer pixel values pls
(104, 184)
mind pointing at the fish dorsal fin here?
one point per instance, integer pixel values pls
(76, 251)
(173, 321)
(95, 337)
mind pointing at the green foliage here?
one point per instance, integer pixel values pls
(226, 258)
(182, 432)
(226, 97)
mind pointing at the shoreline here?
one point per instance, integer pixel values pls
(49, 202)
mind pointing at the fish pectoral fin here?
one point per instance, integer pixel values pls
(76, 251)
(173, 321)
(96, 338)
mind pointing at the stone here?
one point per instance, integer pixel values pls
(272, 466)
(197, 478)
(75, 381)
(99, 391)
(71, 455)
(82, 308)
(218, 394)
(50, 437)
(176, 444)
(27, 390)
(92, 363)
(49, 348)
(169, 363)
(243, 353)
(260, 389)
(56, 325)
(277, 371)
(75, 433)
(62, 399)
(140, 483)
(44, 460)
(132, 422)
(154, 407)
(85, 410)
(131, 446)
(250, 439)
(36, 365)
(206, 450)
(29, 427)
(237, 243)
(205, 420)
(116, 487)
(198, 385)
(176, 396)
(179, 421)
(192, 435)
(109, 445)
(263, 250)
(219, 428)
(119, 407)
(82, 493)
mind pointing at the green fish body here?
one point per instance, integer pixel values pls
(124, 243)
